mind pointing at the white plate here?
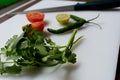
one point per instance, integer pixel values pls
(96, 55)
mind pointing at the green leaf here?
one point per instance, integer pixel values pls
(10, 47)
(13, 69)
(23, 62)
(49, 41)
(13, 57)
(2, 68)
(10, 41)
(54, 50)
(72, 58)
(24, 45)
(41, 48)
(26, 29)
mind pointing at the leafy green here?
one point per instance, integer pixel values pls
(31, 48)
(1, 68)
(14, 69)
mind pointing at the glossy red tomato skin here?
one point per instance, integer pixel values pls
(35, 16)
(38, 25)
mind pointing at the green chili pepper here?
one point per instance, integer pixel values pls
(68, 27)
(79, 22)
(76, 18)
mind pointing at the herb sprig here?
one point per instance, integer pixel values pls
(31, 48)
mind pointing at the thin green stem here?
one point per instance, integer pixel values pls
(78, 39)
(93, 18)
(69, 45)
(70, 42)
(7, 62)
(55, 46)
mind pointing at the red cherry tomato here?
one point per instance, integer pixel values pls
(39, 25)
(35, 16)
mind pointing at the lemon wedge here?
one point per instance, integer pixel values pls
(63, 18)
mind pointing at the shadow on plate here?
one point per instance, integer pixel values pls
(70, 68)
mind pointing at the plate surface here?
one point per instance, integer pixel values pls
(97, 53)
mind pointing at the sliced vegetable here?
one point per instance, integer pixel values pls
(35, 16)
(63, 18)
(38, 25)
